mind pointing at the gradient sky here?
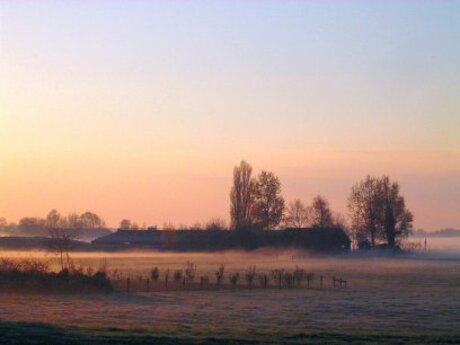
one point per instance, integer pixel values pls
(140, 109)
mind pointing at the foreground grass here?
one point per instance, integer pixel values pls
(37, 333)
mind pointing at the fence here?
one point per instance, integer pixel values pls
(276, 280)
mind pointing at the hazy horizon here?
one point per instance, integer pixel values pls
(141, 109)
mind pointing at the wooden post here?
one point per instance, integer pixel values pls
(308, 282)
(148, 285)
(321, 282)
(128, 284)
(333, 281)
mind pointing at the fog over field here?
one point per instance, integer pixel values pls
(416, 299)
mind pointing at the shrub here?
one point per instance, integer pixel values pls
(278, 276)
(178, 274)
(35, 275)
(155, 274)
(234, 279)
(298, 276)
(190, 272)
(250, 275)
(220, 274)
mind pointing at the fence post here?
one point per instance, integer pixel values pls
(148, 285)
(128, 284)
(333, 280)
(320, 282)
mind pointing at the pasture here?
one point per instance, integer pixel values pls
(388, 300)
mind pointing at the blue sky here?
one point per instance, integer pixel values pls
(190, 87)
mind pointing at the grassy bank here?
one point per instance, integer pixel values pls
(37, 333)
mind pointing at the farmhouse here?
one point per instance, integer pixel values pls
(315, 239)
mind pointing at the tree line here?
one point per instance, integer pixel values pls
(377, 211)
(37, 226)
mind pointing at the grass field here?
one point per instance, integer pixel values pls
(388, 301)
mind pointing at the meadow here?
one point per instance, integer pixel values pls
(387, 301)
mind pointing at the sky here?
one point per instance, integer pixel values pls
(140, 109)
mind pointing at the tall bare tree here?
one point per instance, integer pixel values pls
(241, 196)
(297, 215)
(91, 220)
(74, 221)
(365, 206)
(62, 241)
(378, 211)
(321, 215)
(396, 219)
(268, 207)
(53, 220)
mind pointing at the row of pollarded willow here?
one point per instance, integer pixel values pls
(250, 278)
(377, 210)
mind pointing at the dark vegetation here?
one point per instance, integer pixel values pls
(251, 278)
(378, 212)
(87, 225)
(378, 218)
(36, 276)
(22, 333)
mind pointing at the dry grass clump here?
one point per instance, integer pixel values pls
(36, 276)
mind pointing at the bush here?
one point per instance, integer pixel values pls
(178, 274)
(250, 275)
(155, 274)
(234, 279)
(35, 276)
(220, 274)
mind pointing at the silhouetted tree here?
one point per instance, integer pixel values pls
(269, 204)
(250, 275)
(169, 226)
(241, 196)
(321, 215)
(125, 224)
(216, 224)
(190, 272)
(396, 219)
(365, 206)
(32, 226)
(196, 226)
(378, 211)
(178, 275)
(297, 215)
(62, 241)
(53, 220)
(155, 274)
(74, 221)
(91, 220)
(220, 274)
(234, 277)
